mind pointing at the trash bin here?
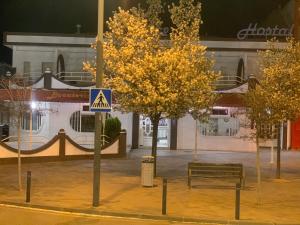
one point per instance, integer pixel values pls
(147, 171)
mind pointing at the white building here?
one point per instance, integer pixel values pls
(64, 54)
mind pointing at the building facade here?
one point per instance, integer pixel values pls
(61, 57)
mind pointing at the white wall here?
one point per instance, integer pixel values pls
(186, 133)
(40, 48)
(186, 139)
(227, 61)
(73, 57)
(226, 56)
(49, 39)
(57, 116)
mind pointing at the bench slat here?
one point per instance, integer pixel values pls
(222, 167)
(216, 169)
(213, 170)
(216, 176)
(215, 164)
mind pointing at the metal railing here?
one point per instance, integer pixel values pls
(86, 77)
(26, 143)
(27, 136)
(88, 140)
(228, 81)
(79, 77)
(75, 76)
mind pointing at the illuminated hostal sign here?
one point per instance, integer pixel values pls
(254, 31)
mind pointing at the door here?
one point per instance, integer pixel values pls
(146, 131)
(296, 135)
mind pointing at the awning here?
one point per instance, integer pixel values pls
(44, 95)
(82, 96)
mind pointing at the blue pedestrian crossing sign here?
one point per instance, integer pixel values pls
(100, 100)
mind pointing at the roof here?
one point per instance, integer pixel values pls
(78, 40)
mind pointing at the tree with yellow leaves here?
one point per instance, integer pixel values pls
(281, 80)
(154, 77)
(277, 97)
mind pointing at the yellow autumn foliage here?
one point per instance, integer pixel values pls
(281, 80)
(276, 98)
(152, 76)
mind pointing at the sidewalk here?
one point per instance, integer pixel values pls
(69, 185)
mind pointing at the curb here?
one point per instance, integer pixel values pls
(137, 216)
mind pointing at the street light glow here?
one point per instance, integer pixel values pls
(33, 105)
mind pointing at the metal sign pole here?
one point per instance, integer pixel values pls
(98, 117)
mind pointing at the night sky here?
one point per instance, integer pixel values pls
(222, 18)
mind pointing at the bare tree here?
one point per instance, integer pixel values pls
(15, 96)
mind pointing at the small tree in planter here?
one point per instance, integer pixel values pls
(112, 128)
(281, 84)
(259, 116)
(276, 98)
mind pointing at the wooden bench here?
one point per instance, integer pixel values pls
(213, 170)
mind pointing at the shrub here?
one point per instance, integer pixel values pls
(112, 128)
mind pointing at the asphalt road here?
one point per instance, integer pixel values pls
(27, 216)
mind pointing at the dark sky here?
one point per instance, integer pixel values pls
(222, 18)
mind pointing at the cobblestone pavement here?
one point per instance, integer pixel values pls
(69, 184)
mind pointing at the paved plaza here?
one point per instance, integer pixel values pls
(69, 185)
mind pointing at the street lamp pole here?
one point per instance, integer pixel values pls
(98, 116)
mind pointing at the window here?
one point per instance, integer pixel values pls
(47, 65)
(84, 122)
(36, 121)
(217, 111)
(26, 69)
(4, 117)
(86, 108)
(268, 131)
(87, 123)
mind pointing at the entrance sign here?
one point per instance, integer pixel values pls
(100, 100)
(255, 31)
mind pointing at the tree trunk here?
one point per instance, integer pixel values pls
(19, 153)
(278, 151)
(155, 121)
(196, 137)
(258, 171)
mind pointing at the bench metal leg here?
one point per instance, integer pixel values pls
(189, 178)
(242, 182)
(243, 179)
